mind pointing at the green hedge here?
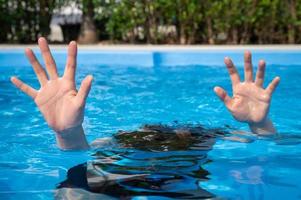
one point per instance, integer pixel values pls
(164, 21)
(23, 21)
(205, 21)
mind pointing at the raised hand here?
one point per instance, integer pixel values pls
(58, 100)
(250, 102)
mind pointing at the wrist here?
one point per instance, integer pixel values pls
(264, 127)
(72, 139)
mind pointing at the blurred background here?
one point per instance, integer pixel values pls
(152, 21)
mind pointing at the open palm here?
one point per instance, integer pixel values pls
(58, 100)
(250, 102)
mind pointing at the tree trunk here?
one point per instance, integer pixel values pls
(234, 36)
(210, 31)
(88, 33)
(246, 35)
(45, 16)
(146, 23)
(291, 26)
(182, 35)
(151, 23)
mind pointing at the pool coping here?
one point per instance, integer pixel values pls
(159, 47)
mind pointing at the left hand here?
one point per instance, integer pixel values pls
(57, 99)
(250, 102)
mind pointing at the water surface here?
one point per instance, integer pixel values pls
(124, 98)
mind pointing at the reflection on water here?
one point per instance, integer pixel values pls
(253, 170)
(156, 160)
(250, 178)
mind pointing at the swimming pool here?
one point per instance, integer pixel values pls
(134, 88)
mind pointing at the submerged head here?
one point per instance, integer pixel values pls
(158, 137)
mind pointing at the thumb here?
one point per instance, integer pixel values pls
(84, 89)
(222, 94)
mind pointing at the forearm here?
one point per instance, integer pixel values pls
(72, 139)
(263, 128)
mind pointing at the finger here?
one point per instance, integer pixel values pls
(272, 86)
(24, 87)
(260, 73)
(232, 71)
(222, 94)
(71, 61)
(38, 69)
(48, 59)
(248, 66)
(84, 89)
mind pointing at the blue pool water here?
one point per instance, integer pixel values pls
(132, 89)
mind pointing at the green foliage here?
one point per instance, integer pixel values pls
(203, 21)
(163, 21)
(23, 21)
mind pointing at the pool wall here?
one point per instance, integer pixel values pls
(152, 58)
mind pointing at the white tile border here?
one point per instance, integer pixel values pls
(162, 47)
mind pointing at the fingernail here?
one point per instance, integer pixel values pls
(90, 77)
(27, 50)
(41, 39)
(262, 61)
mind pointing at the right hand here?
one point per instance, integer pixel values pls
(250, 102)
